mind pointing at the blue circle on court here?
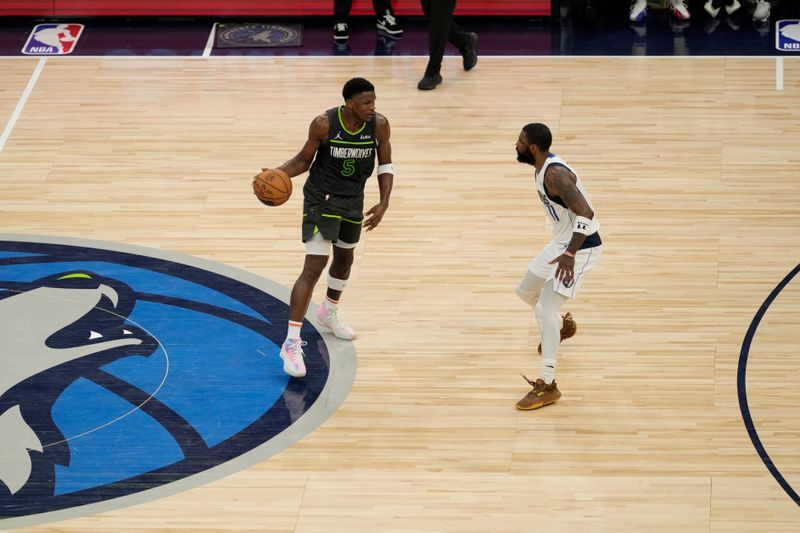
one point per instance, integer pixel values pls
(128, 369)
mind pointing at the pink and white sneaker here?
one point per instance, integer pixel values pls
(329, 317)
(292, 355)
(679, 9)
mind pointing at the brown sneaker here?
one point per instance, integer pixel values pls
(542, 394)
(569, 329)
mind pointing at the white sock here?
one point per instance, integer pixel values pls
(548, 370)
(330, 304)
(294, 330)
(550, 323)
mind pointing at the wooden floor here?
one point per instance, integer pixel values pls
(692, 164)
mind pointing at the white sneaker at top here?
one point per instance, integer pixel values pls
(680, 10)
(638, 10)
(761, 12)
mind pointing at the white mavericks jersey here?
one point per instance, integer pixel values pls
(559, 214)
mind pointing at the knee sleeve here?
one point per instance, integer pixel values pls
(527, 296)
(336, 284)
(529, 288)
(550, 320)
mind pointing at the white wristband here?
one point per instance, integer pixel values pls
(585, 225)
(388, 168)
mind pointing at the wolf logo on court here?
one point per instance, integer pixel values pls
(125, 369)
(61, 323)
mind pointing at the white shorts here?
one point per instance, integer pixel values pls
(585, 261)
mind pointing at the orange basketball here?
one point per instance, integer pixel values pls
(272, 186)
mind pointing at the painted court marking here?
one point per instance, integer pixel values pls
(21, 104)
(741, 385)
(136, 408)
(210, 42)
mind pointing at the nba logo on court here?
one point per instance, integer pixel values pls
(53, 39)
(787, 35)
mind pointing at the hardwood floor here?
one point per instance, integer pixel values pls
(691, 164)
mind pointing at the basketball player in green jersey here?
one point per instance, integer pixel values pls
(340, 151)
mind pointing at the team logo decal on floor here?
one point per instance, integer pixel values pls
(255, 35)
(787, 35)
(127, 369)
(52, 39)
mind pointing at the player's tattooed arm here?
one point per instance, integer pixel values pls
(561, 182)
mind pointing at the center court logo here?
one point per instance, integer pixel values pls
(125, 370)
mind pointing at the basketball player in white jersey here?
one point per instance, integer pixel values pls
(555, 275)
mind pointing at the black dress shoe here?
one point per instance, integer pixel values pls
(429, 82)
(470, 52)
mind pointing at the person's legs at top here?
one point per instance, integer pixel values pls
(466, 42)
(341, 21)
(387, 23)
(439, 15)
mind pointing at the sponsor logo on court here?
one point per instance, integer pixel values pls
(53, 39)
(787, 35)
(126, 369)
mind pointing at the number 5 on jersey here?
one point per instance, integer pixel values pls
(348, 167)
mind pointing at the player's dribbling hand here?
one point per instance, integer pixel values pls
(374, 216)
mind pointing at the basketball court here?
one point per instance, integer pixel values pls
(680, 390)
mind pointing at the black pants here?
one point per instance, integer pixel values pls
(442, 28)
(341, 9)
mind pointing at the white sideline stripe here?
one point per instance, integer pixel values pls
(21, 104)
(210, 42)
(779, 73)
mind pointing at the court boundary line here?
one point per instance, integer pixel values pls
(741, 387)
(12, 121)
(210, 42)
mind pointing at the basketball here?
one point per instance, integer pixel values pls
(272, 186)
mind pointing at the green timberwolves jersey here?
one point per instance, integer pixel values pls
(343, 165)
